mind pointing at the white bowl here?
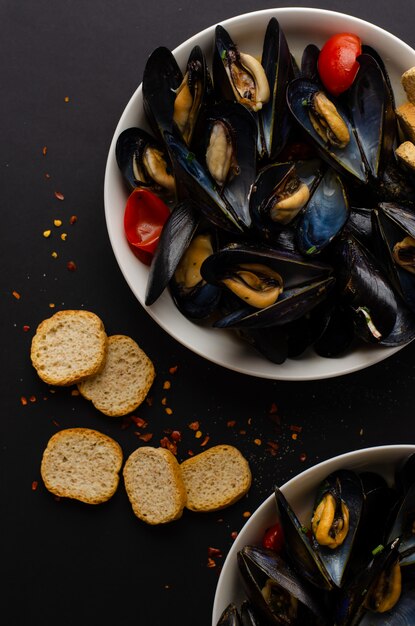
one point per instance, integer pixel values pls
(301, 26)
(299, 493)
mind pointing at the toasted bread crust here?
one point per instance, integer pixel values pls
(82, 464)
(215, 478)
(123, 382)
(154, 485)
(68, 347)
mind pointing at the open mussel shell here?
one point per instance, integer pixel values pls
(324, 215)
(299, 549)
(403, 527)
(173, 101)
(192, 178)
(352, 600)
(275, 590)
(237, 76)
(395, 225)
(175, 238)
(292, 305)
(280, 193)
(143, 162)
(368, 103)
(363, 288)
(346, 160)
(274, 118)
(228, 152)
(346, 488)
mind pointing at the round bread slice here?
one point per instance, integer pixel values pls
(124, 381)
(215, 478)
(154, 485)
(68, 346)
(82, 464)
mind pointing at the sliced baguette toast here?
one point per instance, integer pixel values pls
(215, 478)
(154, 485)
(124, 381)
(69, 346)
(82, 464)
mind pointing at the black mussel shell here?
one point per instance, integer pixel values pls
(161, 78)
(241, 129)
(291, 306)
(274, 118)
(192, 176)
(338, 333)
(364, 290)
(270, 342)
(405, 474)
(351, 600)
(276, 179)
(175, 237)
(248, 615)
(309, 63)
(256, 566)
(393, 223)
(347, 160)
(129, 152)
(346, 487)
(299, 549)
(229, 616)
(403, 527)
(359, 224)
(368, 101)
(324, 215)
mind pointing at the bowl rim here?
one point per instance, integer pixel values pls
(370, 456)
(243, 361)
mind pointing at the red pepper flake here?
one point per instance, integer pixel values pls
(303, 457)
(274, 408)
(149, 400)
(23, 400)
(169, 445)
(71, 266)
(32, 399)
(231, 423)
(173, 370)
(214, 552)
(234, 534)
(211, 563)
(56, 423)
(190, 453)
(242, 432)
(194, 426)
(294, 436)
(164, 401)
(75, 392)
(246, 514)
(66, 98)
(26, 328)
(205, 440)
(169, 411)
(34, 485)
(249, 421)
(198, 434)
(176, 435)
(16, 295)
(166, 384)
(44, 150)
(257, 442)
(59, 195)
(47, 176)
(146, 436)
(272, 447)
(73, 219)
(138, 421)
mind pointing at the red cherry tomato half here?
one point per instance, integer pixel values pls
(273, 538)
(144, 217)
(337, 65)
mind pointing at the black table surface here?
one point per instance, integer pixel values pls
(68, 68)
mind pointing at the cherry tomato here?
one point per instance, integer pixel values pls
(144, 218)
(337, 65)
(274, 538)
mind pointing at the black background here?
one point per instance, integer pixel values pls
(68, 563)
